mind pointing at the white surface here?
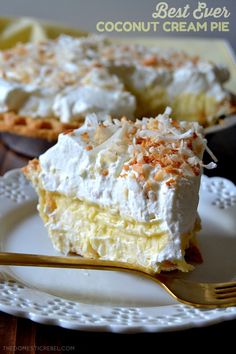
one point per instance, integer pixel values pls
(109, 301)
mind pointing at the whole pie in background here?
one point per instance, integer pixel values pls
(48, 86)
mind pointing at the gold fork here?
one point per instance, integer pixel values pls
(207, 295)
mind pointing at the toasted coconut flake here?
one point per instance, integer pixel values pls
(170, 182)
(214, 158)
(159, 176)
(105, 172)
(88, 147)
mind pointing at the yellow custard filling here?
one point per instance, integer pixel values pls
(186, 106)
(91, 231)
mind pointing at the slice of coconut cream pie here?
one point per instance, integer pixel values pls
(124, 191)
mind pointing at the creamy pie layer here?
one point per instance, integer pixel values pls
(186, 105)
(88, 230)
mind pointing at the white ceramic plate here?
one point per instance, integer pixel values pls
(227, 122)
(109, 301)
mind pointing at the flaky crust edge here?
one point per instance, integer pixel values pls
(43, 128)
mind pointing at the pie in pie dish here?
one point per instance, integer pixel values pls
(124, 191)
(50, 86)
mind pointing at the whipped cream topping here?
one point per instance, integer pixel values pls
(12, 95)
(99, 92)
(175, 71)
(148, 170)
(198, 78)
(70, 77)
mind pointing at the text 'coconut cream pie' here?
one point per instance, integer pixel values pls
(50, 86)
(124, 191)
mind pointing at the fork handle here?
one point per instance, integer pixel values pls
(35, 260)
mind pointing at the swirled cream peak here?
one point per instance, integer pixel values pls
(68, 78)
